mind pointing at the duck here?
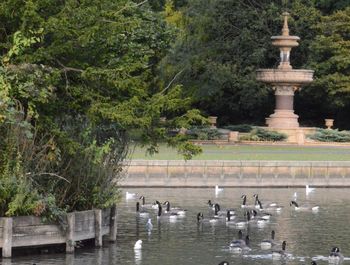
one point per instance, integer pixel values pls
(178, 211)
(335, 256)
(268, 243)
(314, 209)
(139, 212)
(129, 195)
(280, 254)
(138, 244)
(149, 225)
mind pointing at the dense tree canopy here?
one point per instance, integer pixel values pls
(223, 42)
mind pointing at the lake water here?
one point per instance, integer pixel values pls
(183, 241)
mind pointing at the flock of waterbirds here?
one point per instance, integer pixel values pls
(258, 213)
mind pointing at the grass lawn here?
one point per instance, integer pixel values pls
(250, 152)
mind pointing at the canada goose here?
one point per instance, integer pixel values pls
(304, 208)
(240, 245)
(139, 212)
(268, 243)
(228, 218)
(222, 213)
(211, 204)
(278, 254)
(171, 216)
(144, 205)
(335, 256)
(178, 211)
(243, 224)
(201, 219)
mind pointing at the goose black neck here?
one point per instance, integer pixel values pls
(143, 200)
(228, 214)
(273, 234)
(284, 245)
(240, 234)
(137, 207)
(168, 207)
(244, 200)
(159, 210)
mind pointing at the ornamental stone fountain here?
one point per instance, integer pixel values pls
(285, 81)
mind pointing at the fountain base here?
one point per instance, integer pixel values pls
(283, 119)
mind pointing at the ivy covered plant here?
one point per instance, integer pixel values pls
(329, 135)
(259, 134)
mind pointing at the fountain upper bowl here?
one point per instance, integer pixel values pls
(289, 76)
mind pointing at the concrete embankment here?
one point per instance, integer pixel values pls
(227, 173)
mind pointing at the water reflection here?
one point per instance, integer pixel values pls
(188, 242)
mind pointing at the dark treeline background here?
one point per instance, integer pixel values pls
(220, 44)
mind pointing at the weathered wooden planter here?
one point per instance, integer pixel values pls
(25, 231)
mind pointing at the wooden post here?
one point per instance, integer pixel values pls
(98, 228)
(70, 243)
(113, 224)
(7, 237)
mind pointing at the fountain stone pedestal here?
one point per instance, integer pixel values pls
(285, 81)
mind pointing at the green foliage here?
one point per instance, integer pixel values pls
(328, 135)
(331, 61)
(75, 78)
(239, 128)
(204, 133)
(221, 46)
(259, 134)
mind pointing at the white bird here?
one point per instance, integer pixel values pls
(308, 189)
(149, 225)
(218, 190)
(138, 244)
(129, 195)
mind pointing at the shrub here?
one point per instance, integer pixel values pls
(245, 128)
(259, 134)
(328, 135)
(204, 133)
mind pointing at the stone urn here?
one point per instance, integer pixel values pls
(212, 121)
(329, 123)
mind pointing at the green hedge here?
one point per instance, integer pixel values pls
(259, 134)
(245, 128)
(328, 135)
(204, 133)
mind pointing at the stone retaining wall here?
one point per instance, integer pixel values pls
(206, 173)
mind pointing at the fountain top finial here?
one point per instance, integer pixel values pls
(285, 29)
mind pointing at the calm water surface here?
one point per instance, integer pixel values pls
(308, 235)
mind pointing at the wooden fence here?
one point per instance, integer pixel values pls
(25, 231)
